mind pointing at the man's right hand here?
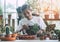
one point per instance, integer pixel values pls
(25, 27)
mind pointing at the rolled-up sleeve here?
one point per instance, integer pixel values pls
(19, 26)
(42, 24)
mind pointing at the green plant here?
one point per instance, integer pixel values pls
(0, 10)
(7, 31)
(11, 29)
(58, 34)
(4, 29)
(57, 31)
(33, 29)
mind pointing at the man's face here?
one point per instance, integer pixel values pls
(28, 13)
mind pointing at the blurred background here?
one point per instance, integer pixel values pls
(49, 11)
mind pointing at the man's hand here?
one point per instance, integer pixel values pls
(41, 31)
(25, 27)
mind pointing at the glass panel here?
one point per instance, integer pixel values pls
(10, 5)
(2, 4)
(21, 2)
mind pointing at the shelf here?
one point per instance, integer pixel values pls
(52, 19)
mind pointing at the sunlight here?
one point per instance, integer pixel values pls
(21, 2)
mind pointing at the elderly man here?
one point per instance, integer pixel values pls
(30, 20)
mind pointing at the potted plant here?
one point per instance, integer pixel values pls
(58, 34)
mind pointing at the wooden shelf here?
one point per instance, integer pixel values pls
(56, 17)
(52, 19)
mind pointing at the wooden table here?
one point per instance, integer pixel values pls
(32, 41)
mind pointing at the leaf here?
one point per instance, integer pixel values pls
(0, 10)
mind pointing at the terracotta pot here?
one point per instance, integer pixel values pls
(0, 37)
(14, 35)
(26, 37)
(8, 35)
(8, 38)
(46, 16)
(56, 16)
(42, 38)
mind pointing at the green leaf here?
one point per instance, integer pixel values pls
(0, 10)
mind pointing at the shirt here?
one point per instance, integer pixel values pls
(35, 20)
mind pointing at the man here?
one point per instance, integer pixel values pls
(30, 20)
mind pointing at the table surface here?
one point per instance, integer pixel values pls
(32, 41)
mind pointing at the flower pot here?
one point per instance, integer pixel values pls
(14, 35)
(59, 38)
(8, 35)
(8, 38)
(42, 38)
(46, 16)
(27, 37)
(56, 16)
